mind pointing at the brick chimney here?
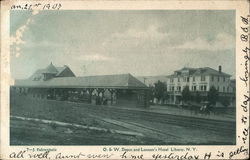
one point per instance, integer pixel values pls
(220, 68)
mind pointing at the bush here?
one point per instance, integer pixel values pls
(225, 101)
(213, 95)
(186, 95)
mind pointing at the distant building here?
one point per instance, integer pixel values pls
(60, 83)
(151, 80)
(199, 80)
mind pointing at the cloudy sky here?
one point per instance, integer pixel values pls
(110, 42)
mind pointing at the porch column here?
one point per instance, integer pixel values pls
(90, 91)
(100, 98)
(111, 95)
(174, 98)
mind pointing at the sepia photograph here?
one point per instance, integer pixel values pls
(122, 77)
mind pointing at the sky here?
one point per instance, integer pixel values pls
(140, 42)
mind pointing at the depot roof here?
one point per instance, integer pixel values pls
(123, 81)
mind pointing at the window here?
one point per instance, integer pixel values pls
(178, 88)
(193, 79)
(184, 79)
(212, 78)
(172, 80)
(203, 78)
(187, 79)
(173, 88)
(218, 79)
(178, 79)
(194, 88)
(224, 79)
(202, 88)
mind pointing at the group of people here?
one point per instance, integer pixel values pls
(101, 100)
(206, 109)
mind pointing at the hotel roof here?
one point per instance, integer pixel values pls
(198, 72)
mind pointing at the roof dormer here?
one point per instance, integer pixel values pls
(51, 69)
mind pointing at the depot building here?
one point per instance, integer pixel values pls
(60, 83)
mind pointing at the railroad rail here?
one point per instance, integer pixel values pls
(218, 126)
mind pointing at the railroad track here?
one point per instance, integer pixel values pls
(140, 128)
(184, 121)
(217, 126)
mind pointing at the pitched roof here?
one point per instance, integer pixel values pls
(60, 69)
(200, 71)
(50, 69)
(126, 81)
(38, 75)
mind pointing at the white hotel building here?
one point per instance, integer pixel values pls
(199, 80)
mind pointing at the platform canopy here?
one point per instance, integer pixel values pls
(118, 81)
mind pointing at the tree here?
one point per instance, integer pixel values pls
(197, 97)
(160, 90)
(225, 101)
(186, 95)
(165, 96)
(213, 95)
